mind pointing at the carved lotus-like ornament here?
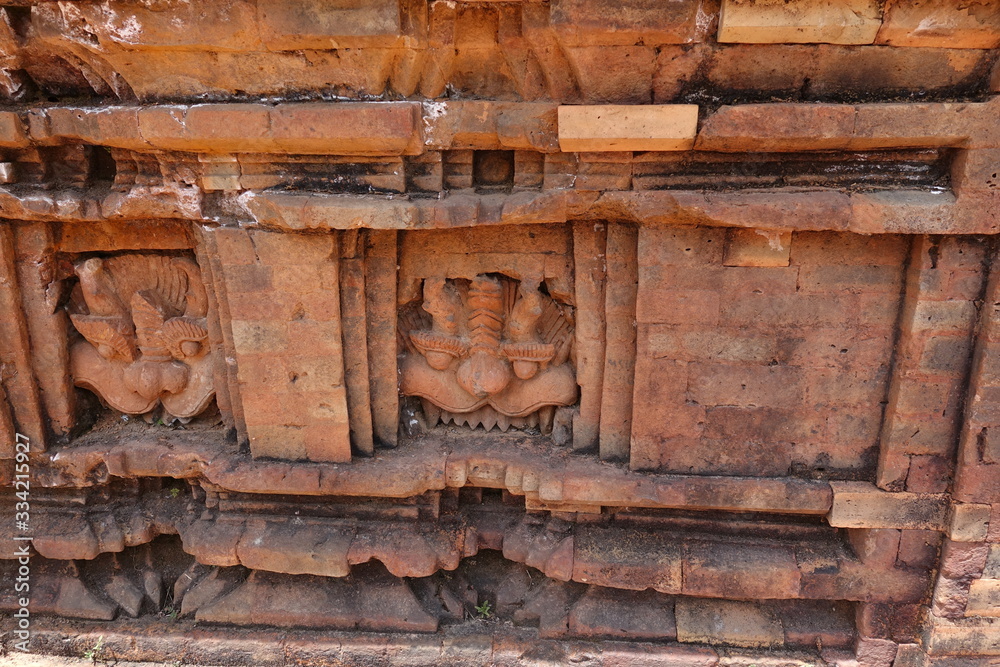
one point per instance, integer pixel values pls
(145, 340)
(488, 351)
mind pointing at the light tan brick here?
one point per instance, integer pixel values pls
(863, 505)
(12, 134)
(318, 24)
(940, 23)
(666, 127)
(800, 22)
(984, 598)
(757, 247)
(969, 522)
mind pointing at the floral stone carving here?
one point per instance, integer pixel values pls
(490, 351)
(145, 342)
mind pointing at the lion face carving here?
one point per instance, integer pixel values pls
(494, 352)
(145, 342)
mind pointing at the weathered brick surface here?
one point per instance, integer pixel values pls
(862, 505)
(766, 358)
(762, 370)
(969, 522)
(19, 386)
(978, 450)
(928, 381)
(590, 23)
(284, 305)
(984, 598)
(34, 246)
(603, 613)
(346, 129)
(12, 132)
(626, 127)
(939, 23)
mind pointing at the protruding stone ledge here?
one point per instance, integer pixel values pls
(206, 645)
(138, 203)
(805, 127)
(666, 127)
(535, 472)
(800, 22)
(343, 128)
(408, 128)
(778, 209)
(940, 24)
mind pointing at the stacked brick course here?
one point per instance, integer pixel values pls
(763, 370)
(664, 331)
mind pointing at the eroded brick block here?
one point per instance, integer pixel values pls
(727, 622)
(743, 571)
(607, 613)
(969, 522)
(755, 247)
(984, 598)
(939, 23)
(862, 505)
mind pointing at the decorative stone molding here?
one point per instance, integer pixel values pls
(488, 351)
(142, 318)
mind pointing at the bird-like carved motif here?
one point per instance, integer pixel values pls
(145, 340)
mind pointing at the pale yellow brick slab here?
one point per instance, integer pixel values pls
(661, 127)
(757, 247)
(800, 22)
(984, 598)
(943, 24)
(863, 505)
(970, 522)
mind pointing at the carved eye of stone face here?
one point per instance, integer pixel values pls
(525, 369)
(190, 348)
(438, 360)
(439, 350)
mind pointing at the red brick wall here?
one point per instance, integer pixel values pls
(745, 370)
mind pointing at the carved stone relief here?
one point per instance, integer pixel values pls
(490, 351)
(145, 340)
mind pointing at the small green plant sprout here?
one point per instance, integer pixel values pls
(174, 492)
(484, 610)
(171, 612)
(95, 650)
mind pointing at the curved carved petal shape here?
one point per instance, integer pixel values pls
(107, 379)
(553, 386)
(417, 378)
(428, 341)
(111, 336)
(198, 393)
(539, 353)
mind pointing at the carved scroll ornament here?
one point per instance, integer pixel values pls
(494, 352)
(145, 341)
